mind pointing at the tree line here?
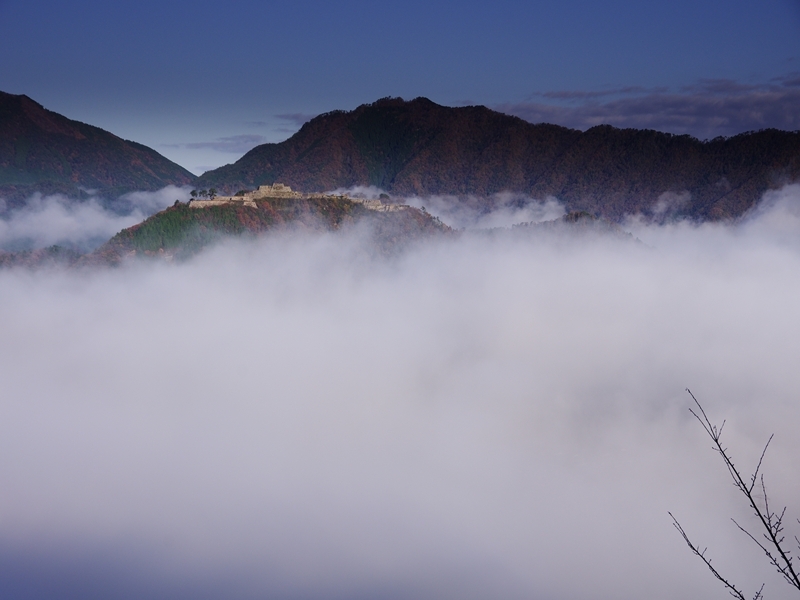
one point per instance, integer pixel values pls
(210, 193)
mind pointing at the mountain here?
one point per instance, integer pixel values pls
(182, 230)
(42, 151)
(421, 148)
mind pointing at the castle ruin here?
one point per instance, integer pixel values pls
(279, 190)
(276, 190)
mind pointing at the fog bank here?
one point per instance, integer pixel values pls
(471, 212)
(81, 224)
(478, 418)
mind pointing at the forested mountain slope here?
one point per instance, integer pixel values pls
(43, 151)
(421, 148)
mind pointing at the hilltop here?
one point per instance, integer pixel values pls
(43, 151)
(187, 228)
(421, 148)
(184, 230)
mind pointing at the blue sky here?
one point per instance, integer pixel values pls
(203, 81)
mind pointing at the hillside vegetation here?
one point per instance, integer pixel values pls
(43, 151)
(421, 148)
(181, 231)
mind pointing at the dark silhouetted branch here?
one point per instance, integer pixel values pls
(732, 589)
(772, 541)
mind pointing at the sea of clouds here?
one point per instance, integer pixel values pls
(47, 220)
(483, 417)
(501, 210)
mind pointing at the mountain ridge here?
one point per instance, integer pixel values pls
(43, 151)
(419, 148)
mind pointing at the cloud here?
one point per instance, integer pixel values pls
(505, 209)
(297, 119)
(47, 220)
(707, 109)
(587, 95)
(792, 80)
(471, 212)
(723, 87)
(369, 192)
(235, 144)
(669, 202)
(475, 418)
(205, 168)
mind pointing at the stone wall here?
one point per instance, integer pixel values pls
(222, 201)
(279, 190)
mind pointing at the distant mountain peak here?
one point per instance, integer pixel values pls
(48, 121)
(43, 151)
(420, 148)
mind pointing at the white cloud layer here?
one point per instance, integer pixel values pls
(236, 144)
(499, 210)
(47, 220)
(711, 108)
(478, 418)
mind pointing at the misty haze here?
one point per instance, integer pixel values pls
(478, 416)
(399, 300)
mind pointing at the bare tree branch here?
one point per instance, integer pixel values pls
(773, 545)
(732, 589)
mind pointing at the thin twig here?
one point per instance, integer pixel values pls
(771, 522)
(732, 589)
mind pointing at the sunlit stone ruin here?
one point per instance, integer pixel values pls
(279, 190)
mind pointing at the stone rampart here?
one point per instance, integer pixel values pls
(279, 190)
(380, 206)
(222, 201)
(276, 190)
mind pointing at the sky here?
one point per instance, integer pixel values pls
(202, 82)
(480, 417)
